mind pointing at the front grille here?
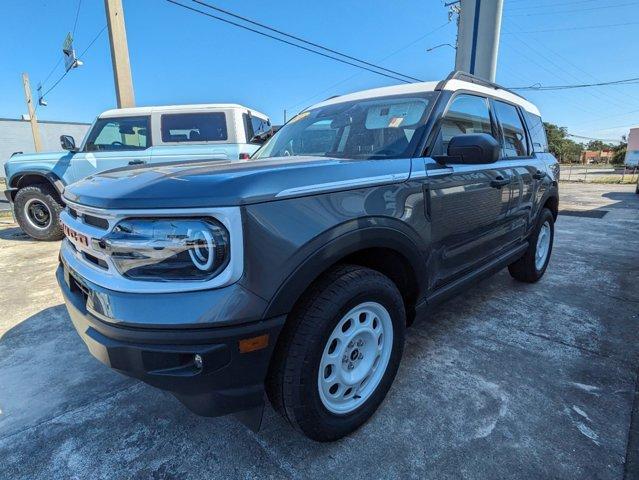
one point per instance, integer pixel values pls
(95, 261)
(94, 221)
(97, 222)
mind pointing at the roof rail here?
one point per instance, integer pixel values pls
(470, 78)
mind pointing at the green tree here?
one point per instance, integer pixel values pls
(619, 151)
(560, 145)
(598, 145)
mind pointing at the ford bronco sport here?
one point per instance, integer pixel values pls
(122, 137)
(296, 273)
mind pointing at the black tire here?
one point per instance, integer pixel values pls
(43, 198)
(292, 382)
(525, 269)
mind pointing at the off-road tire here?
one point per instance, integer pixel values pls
(292, 385)
(524, 269)
(48, 196)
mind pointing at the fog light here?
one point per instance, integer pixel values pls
(197, 359)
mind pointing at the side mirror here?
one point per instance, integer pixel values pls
(68, 143)
(473, 148)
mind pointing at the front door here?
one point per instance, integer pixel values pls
(468, 203)
(114, 143)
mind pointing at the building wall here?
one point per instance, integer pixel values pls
(632, 153)
(15, 136)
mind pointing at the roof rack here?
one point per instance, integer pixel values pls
(470, 78)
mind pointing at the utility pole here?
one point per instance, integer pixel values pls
(35, 129)
(478, 31)
(119, 54)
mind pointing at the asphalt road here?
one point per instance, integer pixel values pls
(506, 381)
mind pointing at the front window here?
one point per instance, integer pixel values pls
(370, 128)
(112, 134)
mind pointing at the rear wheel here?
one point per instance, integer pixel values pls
(37, 209)
(532, 266)
(339, 353)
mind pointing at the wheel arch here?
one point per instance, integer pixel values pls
(388, 250)
(32, 177)
(552, 204)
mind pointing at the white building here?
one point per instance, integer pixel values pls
(15, 136)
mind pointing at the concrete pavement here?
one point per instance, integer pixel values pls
(506, 381)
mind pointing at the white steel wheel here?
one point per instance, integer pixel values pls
(543, 245)
(355, 358)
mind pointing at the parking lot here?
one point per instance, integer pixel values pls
(507, 380)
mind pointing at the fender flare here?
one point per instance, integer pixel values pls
(56, 182)
(328, 249)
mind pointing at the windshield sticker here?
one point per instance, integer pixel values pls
(395, 122)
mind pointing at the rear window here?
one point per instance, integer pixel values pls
(194, 127)
(537, 132)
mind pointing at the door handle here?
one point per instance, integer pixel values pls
(499, 182)
(539, 174)
(137, 161)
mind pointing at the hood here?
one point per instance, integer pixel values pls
(39, 157)
(44, 161)
(214, 184)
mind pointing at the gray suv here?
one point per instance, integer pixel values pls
(296, 273)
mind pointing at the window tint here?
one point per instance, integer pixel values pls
(111, 134)
(513, 130)
(466, 114)
(260, 125)
(194, 127)
(255, 126)
(537, 132)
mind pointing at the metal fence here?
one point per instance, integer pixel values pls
(599, 174)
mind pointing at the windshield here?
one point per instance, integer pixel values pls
(370, 128)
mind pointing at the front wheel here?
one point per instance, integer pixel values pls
(339, 353)
(532, 266)
(37, 209)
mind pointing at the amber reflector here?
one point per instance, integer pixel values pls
(253, 343)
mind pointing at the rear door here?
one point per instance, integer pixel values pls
(468, 203)
(525, 168)
(113, 143)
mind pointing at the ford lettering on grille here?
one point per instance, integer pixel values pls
(75, 237)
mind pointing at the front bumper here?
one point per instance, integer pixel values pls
(227, 381)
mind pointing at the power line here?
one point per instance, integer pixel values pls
(603, 7)
(566, 29)
(79, 57)
(547, 5)
(592, 138)
(307, 99)
(77, 14)
(538, 87)
(286, 41)
(307, 42)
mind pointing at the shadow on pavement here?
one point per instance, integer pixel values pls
(14, 234)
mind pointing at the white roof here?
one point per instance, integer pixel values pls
(127, 112)
(451, 85)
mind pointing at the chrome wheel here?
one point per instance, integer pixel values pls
(543, 245)
(38, 213)
(355, 358)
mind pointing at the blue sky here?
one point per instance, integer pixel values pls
(178, 56)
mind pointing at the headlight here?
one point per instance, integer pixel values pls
(168, 249)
